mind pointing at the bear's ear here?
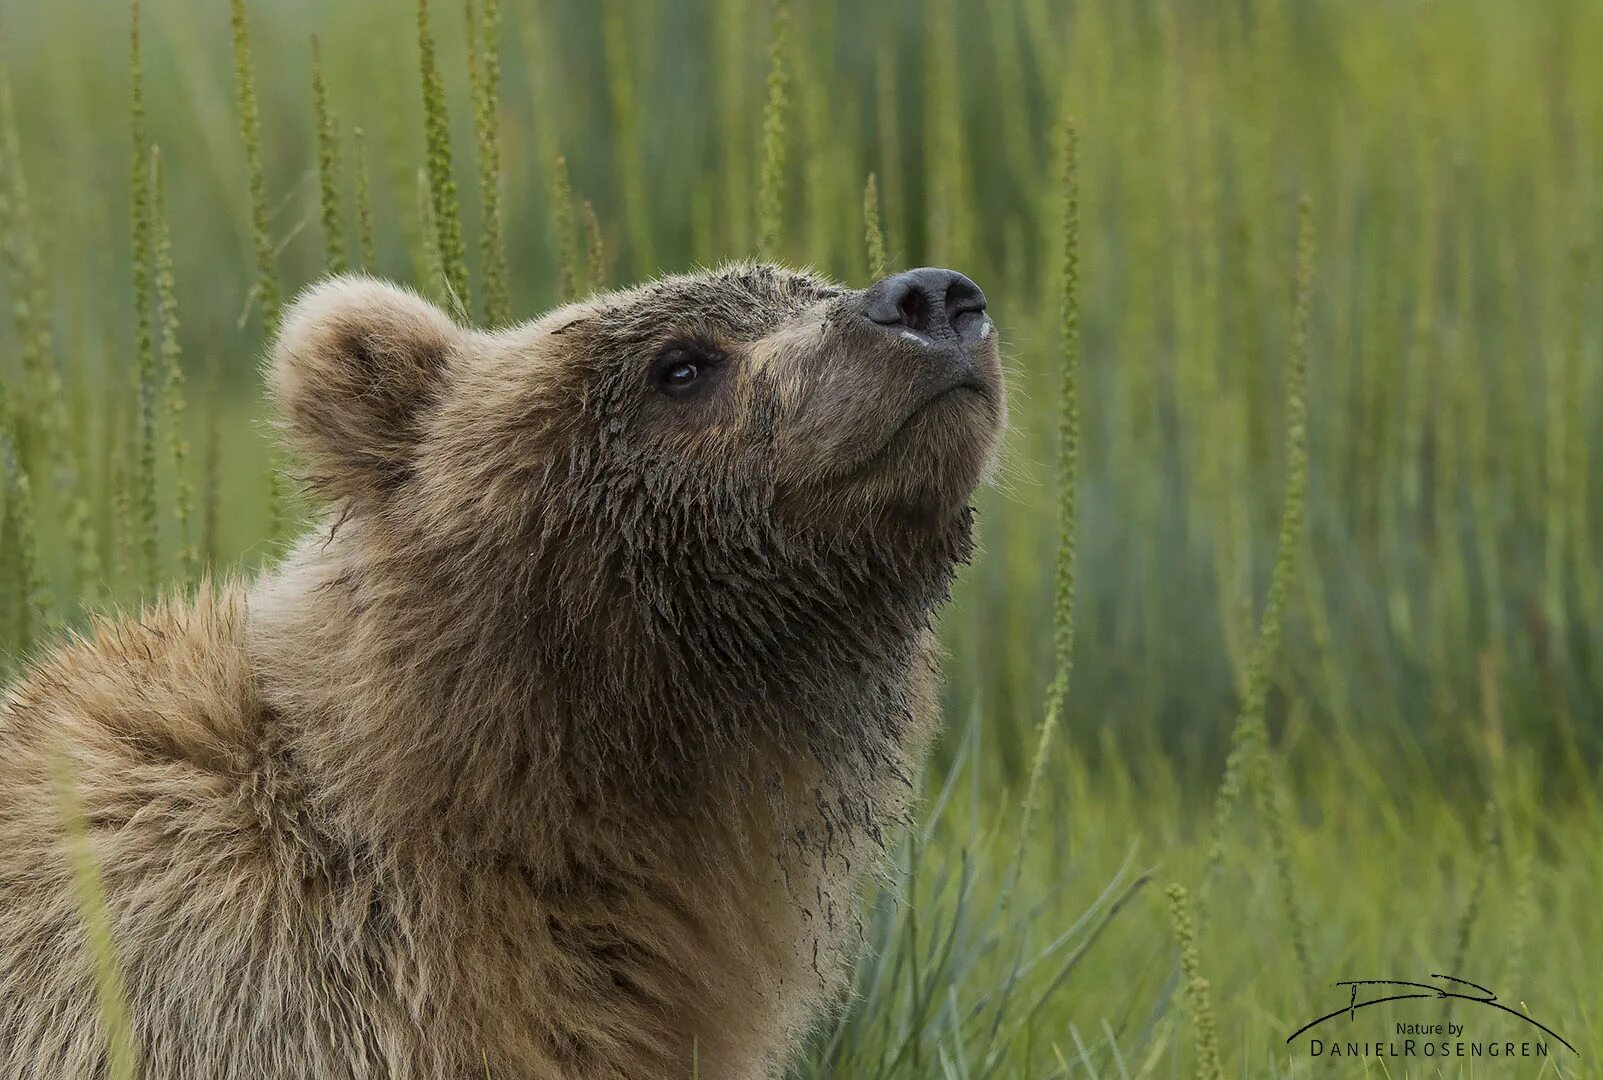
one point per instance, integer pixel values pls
(357, 365)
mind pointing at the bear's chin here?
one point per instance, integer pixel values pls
(919, 479)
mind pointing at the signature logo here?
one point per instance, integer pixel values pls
(1450, 988)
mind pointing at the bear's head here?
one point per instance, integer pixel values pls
(739, 489)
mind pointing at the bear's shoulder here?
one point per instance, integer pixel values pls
(172, 687)
(159, 725)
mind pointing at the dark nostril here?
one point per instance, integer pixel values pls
(929, 300)
(963, 297)
(913, 309)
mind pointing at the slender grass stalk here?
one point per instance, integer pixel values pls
(1068, 464)
(211, 469)
(596, 247)
(122, 1058)
(46, 415)
(1524, 917)
(771, 180)
(562, 228)
(277, 511)
(11, 598)
(1485, 856)
(874, 234)
(1250, 740)
(1198, 995)
(446, 212)
(145, 541)
(626, 119)
(947, 230)
(1068, 421)
(734, 65)
(823, 131)
(147, 397)
(143, 502)
(328, 167)
(364, 205)
(122, 515)
(33, 614)
(250, 129)
(1582, 286)
(173, 375)
(485, 69)
(42, 409)
(436, 282)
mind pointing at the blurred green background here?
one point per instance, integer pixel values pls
(1427, 793)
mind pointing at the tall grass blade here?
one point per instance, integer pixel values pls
(485, 69)
(1250, 751)
(364, 205)
(596, 268)
(122, 1057)
(445, 210)
(874, 234)
(626, 119)
(771, 181)
(250, 129)
(328, 167)
(172, 376)
(562, 228)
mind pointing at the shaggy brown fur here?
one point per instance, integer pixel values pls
(563, 747)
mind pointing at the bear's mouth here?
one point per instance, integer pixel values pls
(956, 389)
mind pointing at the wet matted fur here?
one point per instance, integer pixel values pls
(562, 746)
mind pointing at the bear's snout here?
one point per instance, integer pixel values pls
(932, 303)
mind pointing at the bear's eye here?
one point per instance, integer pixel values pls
(681, 369)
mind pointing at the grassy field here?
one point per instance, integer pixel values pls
(1334, 640)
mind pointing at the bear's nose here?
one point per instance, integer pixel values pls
(933, 302)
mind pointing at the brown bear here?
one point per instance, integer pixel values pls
(562, 747)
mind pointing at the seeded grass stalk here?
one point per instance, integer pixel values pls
(145, 540)
(1068, 419)
(484, 68)
(122, 1058)
(1485, 856)
(562, 229)
(328, 167)
(823, 130)
(771, 181)
(143, 503)
(1264, 763)
(1198, 995)
(946, 228)
(436, 282)
(43, 406)
(445, 211)
(1251, 738)
(875, 235)
(596, 248)
(1582, 286)
(122, 517)
(734, 164)
(626, 117)
(52, 447)
(364, 205)
(32, 594)
(211, 471)
(173, 375)
(250, 129)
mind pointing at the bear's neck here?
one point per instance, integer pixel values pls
(424, 705)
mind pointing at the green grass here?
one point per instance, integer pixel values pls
(1378, 597)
